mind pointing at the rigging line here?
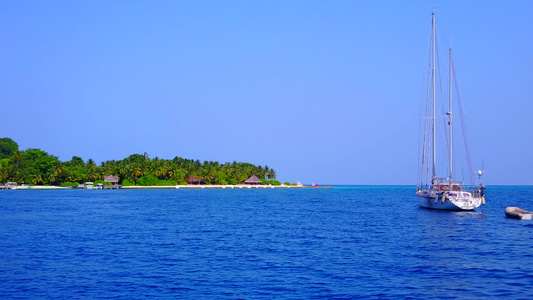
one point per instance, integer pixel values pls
(429, 148)
(420, 170)
(425, 122)
(441, 102)
(441, 99)
(431, 76)
(426, 147)
(427, 163)
(463, 127)
(418, 174)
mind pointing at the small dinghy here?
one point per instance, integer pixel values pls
(518, 213)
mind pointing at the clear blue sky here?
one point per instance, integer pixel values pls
(322, 91)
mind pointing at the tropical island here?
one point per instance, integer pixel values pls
(36, 167)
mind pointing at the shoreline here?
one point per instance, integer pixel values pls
(43, 187)
(185, 187)
(214, 186)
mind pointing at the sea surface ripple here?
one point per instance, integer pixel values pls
(347, 242)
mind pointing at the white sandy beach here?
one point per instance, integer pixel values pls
(42, 187)
(214, 186)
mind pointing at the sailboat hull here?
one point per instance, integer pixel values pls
(435, 201)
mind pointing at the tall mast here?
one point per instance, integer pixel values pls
(434, 131)
(450, 116)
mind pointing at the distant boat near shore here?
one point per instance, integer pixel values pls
(11, 186)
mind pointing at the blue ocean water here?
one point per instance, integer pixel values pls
(345, 242)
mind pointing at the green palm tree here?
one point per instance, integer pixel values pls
(177, 174)
(75, 176)
(4, 171)
(271, 174)
(57, 169)
(17, 159)
(91, 175)
(90, 163)
(136, 172)
(56, 172)
(36, 179)
(123, 170)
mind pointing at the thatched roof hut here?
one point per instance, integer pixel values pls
(114, 180)
(253, 180)
(194, 180)
(111, 178)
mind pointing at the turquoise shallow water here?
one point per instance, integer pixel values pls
(345, 242)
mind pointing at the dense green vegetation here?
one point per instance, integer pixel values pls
(34, 166)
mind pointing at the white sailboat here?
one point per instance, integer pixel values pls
(443, 193)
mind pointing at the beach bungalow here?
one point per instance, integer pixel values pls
(253, 180)
(112, 179)
(194, 180)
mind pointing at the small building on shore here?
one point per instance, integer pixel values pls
(195, 180)
(112, 179)
(253, 180)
